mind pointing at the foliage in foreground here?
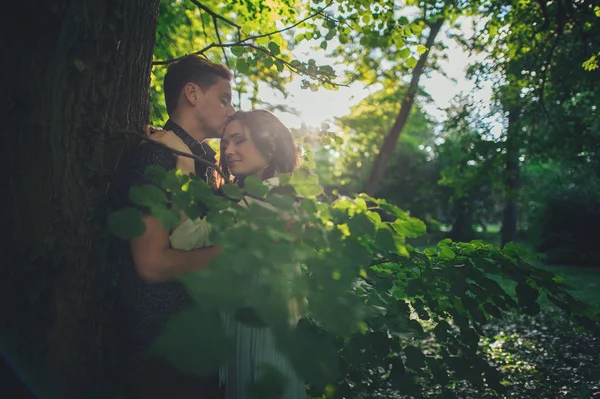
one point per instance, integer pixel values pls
(370, 297)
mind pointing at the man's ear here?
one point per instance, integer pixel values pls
(191, 93)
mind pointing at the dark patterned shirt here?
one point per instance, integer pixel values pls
(145, 308)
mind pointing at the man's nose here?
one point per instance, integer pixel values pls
(230, 110)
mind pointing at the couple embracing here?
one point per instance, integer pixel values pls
(254, 143)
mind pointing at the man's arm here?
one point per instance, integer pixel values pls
(156, 262)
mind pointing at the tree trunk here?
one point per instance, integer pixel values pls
(75, 74)
(390, 141)
(512, 177)
(462, 228)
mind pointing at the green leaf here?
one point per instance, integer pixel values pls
(404, 52)
(415, 359)
(360, 204)
(430, 251)
(309, 205)
(306, 183)
(172, 182)
(440, 375)
(253, 61)
(492, 310)
(445, 241)
(421, 49)
(169, 217)
(280, 66)
(192, 346)
(446, 254)
(416, 28)
(232, 191)
(399, 42)
(126, 223)
(385, 240)
(361, 225)
(242, 66)
(321, 367)
(155, 173)
(268, 62)
(411, 62)
(284, 179)
(147, 195)
(202, 192)
(254, 186)
(274, 48)
(526, 293)
(238, 50)
(281, 202)
(442, 330)
(411, 228)
(470, 337)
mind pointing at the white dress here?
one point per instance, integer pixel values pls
(255, 346)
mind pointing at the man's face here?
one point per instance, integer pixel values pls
(214, 108)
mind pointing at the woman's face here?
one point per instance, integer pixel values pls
(241, 155)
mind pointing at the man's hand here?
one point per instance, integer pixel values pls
(171, 140)
(149, 129)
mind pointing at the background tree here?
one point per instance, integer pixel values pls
(539, 49)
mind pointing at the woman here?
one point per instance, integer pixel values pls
(254, 143)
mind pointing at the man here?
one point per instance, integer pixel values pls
(198, 99)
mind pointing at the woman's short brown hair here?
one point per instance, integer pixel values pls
(271, 137)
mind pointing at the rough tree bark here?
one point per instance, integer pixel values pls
(390, 141)
(511, 182)
(74, 75)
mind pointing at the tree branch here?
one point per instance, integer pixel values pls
(257, 48)
(241, 42)
(180, 153)
(214, 14)
(328, 18)
(220, 41)
(548, 64)
(292, 26)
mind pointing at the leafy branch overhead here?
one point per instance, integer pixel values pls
(258, 40)
(269, 53)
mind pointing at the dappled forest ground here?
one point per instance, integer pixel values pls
(539, 357)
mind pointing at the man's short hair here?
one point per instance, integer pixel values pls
(191, 68)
